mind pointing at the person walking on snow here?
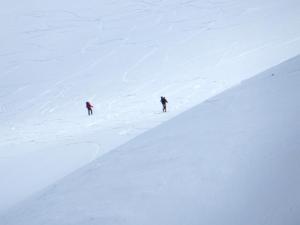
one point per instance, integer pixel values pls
(89, 108)
(164, 102)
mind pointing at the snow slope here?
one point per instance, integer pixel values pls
(121, 55)
(234, 159)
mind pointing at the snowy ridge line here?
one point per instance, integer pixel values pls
(187, 51)
(236, 156)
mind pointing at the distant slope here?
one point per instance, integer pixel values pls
(232, 160)
(122, 56)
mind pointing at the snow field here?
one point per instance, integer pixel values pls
(122, 56)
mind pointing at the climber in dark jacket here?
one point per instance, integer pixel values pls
(164, 102)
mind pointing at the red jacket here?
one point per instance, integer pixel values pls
(89, 105)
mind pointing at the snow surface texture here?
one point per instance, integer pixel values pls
(232, 160)
(122, 56)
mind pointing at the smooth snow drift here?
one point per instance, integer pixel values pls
(122, 56)
(232, 160)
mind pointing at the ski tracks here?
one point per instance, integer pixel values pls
(138, 63)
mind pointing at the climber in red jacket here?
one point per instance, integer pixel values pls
(89, 108)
